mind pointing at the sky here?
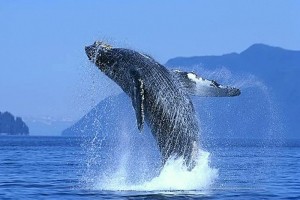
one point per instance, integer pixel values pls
(44, 71)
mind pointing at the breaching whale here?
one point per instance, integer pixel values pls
(160, 97)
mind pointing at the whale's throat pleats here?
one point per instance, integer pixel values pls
(138, 98)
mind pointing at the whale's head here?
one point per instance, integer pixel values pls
(108, 59)
(100, 54)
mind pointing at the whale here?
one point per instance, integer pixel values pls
(160, 97)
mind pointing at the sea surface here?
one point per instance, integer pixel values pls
(64, 168)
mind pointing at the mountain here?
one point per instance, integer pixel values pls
(258, 58)
(47, 126)
(112, 115)
(267, 108)
(275, 70)
(11, 125)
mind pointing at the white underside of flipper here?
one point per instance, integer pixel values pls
(196, 85)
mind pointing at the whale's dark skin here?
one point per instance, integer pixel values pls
(160, 97)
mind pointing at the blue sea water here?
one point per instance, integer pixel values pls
(56, 168)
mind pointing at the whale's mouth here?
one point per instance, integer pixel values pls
(96, 50)
(90, 52)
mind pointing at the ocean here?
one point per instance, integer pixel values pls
(76, 168)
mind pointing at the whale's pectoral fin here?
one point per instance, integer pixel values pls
(138, 97)
(199, 86)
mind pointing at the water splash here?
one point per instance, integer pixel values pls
(172, 177)
(124, 159)
(176, 177)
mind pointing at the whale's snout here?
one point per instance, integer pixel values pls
(96, 49)
(90, 52)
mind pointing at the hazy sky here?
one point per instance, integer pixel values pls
(44, 70)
